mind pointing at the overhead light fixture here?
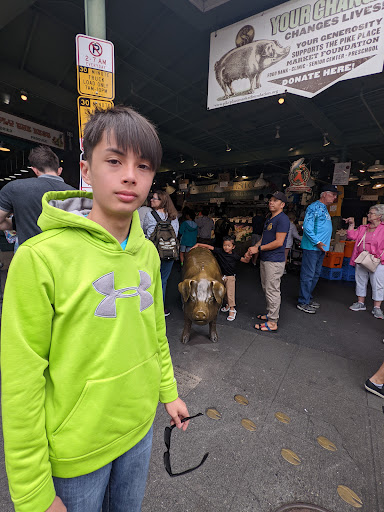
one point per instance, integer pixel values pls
(24, 95)
(244, 177)
(260, 182)
(228, 148)
(3, 147)
(195, 163)
(277, 136)
(284, 185)
(377, 176)
(182, 159)
(364, 183)
(17, 173)
(353, 178)
(7, 179)
(13, 177)
(291, 149)
(377, 167)
(6, 98)
(378, 185)
(362, 170)
(169, 189)
(326, 142)
(282, 97)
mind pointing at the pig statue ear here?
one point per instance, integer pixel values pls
(218, 291)
(185, 289)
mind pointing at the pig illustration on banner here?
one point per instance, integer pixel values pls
(248, 61)
(202, 291)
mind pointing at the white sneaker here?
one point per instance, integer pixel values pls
(358, 306)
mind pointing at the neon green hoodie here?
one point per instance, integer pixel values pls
(85, 357)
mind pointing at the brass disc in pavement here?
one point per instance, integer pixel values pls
(301, 507)
(240, 399)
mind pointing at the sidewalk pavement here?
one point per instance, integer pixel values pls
(322, 394)
(319, 390)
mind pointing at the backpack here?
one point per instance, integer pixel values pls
(165, 239)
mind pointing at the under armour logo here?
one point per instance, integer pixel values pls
(105, 285)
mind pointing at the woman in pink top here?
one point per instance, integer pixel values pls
(369, 237)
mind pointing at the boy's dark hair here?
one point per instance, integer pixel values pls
(205, 212)
(130, 129)
(44, 159)
(229, 238)
(191, 214)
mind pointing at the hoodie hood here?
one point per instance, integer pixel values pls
(191, 225)
(63, 210)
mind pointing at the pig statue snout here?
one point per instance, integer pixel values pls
(200, 317)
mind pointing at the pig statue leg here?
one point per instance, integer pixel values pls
(212, 331)
(187, 329)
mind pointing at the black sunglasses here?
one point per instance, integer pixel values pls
(167, 441)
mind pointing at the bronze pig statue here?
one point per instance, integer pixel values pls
(202, 291)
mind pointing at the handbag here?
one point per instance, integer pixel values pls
(366, 259)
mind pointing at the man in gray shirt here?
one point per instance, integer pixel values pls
(23, 197)
(205, 227)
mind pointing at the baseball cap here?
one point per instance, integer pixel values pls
(330, 188)
(281, 196)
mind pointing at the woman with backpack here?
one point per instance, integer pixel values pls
(163, 206)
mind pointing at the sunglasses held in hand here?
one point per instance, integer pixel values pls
(167, 441)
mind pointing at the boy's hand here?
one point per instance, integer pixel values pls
(177, 411)
(57, 506)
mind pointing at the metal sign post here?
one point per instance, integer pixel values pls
(95, 65)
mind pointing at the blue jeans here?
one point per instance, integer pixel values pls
(117, 487)
(310, 272)
(165, 271)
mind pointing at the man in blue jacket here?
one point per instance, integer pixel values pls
(316, 238)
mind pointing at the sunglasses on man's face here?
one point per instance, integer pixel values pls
(167, 441)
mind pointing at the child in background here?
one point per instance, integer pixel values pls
(84, 353)
(292, 233)
(188, 231)
(227, 260)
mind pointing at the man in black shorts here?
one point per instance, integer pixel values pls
(23, 197)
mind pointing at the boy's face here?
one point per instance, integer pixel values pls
(228, 246)
(120, 181)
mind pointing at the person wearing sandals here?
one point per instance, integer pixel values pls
(369, 237)
(272, 260)
(227, 260)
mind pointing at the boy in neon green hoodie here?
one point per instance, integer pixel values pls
(85, 357)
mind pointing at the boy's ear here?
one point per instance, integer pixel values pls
(85, 174)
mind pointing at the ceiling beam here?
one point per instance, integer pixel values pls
(37, 87)
(316, 117)
(11, 10)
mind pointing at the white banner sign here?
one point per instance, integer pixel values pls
(18, 127)
(341, 173)
(302, 46)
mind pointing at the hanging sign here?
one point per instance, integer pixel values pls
(299, 176)
(87, 106)
(301, 47)
(95, 67)
(18, 127)
(341, 173)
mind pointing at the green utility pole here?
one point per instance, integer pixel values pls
(94, 11)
